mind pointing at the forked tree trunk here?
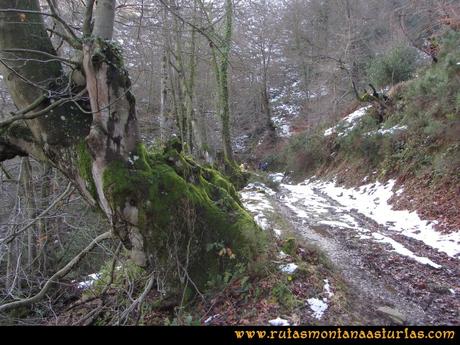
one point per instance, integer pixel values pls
(174, 215)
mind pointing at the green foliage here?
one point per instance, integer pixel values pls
(283, 295)
(427, 110)
(84, 164)
(395, 66)
(123, 274)
(306, 152)
(186, 212)
(290, 246)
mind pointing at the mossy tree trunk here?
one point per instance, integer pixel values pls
(221, 44)
(181, 220)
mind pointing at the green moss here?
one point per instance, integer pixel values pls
(235, 175)
(16, 130)
(84, 166)
(183, 209)
(290, 246)
(284, 296)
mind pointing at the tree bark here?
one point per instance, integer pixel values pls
(172, 214)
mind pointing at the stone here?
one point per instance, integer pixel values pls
(393, 314)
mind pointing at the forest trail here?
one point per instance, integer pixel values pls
(390, 277)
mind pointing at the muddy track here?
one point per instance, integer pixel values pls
(376, 275)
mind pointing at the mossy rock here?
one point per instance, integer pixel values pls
(190, 218)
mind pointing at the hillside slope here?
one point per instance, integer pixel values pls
(414, 138)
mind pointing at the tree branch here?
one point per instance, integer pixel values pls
(17, 50)
(67, 191)
(59, 274)
(22, 116)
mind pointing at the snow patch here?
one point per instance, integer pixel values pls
(240, 143)
(372, 200)
(318, 307)
(276, 177)
(282, 255)
(348, 122)
(289, 268)
(209, 319)
(91, 279)
(400, 249)
(283, 128)
(392, 130)
(388, 131)
(279, 322)
(327, 288)
(310, 201)
(254, 198)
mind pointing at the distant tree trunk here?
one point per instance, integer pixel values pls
(31, 209)
(43, 224)
(224, 101)
(220, 60)
(164, 80)
(266, 107)
(186, 73)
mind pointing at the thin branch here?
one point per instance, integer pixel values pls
(7, 174)
(31, 116)
(11, 237)
(198, 29)
(138, 301)
(30, 107)
(61, 21)
(17, 50)
(72, 39)
(59, 274)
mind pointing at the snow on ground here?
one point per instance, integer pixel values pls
(347, 123)
(318, 307)
(400, 249)
(279, 322)
(255, 198)
(90, 281)
(327, 288)
(277, 232)
(240, 143)
(285, 107)
(391, 130)
(209, 319)
(276, 177)
(282, 125)
(371, 200)
(282, 255)
(289, 268)
(387, 131)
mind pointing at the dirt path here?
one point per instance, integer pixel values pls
(389, 276)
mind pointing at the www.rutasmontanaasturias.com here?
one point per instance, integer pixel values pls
(340, 333)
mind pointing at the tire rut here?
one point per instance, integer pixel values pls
(378, 277)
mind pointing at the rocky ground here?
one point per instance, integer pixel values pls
(389, 276)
